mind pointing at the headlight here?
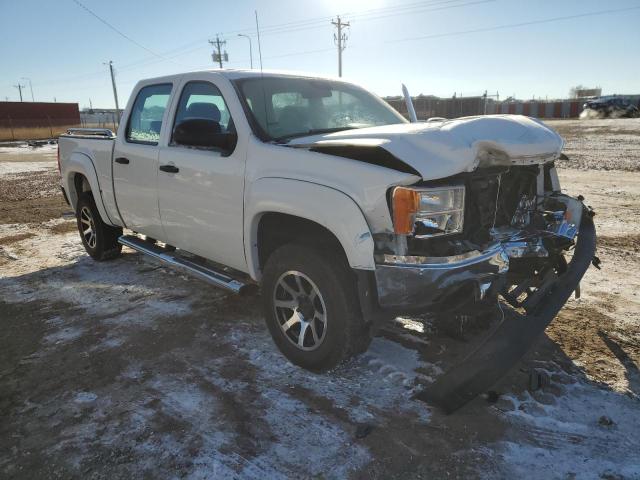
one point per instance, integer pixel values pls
(428, 212)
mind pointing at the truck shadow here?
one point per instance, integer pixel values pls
(129, 368)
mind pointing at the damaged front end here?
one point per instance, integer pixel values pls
(502, 241)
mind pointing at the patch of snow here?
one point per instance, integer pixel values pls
(568, 439)
(384, 378)
(85, 397)
(25, 167)
(64, 335)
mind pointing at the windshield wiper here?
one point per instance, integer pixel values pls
(313, 131)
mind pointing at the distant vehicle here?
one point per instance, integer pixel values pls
(613, 106)
(343, 213)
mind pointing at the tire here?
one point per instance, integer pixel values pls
(99, 239)
(326, 293)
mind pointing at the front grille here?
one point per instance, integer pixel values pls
(492, 199)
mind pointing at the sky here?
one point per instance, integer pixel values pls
(526, 48)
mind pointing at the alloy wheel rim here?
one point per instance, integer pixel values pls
(300, 310)
(88, 227)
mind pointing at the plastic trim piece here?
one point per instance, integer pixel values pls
(513, 337)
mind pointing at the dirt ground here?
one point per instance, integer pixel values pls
(126, 369)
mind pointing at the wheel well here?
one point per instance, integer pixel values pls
(277, 229)
(81, 184)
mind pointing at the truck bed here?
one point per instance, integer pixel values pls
(97, 146)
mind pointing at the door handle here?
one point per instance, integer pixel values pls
(122, 160)
(169, 168)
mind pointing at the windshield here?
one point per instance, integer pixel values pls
(288, 107)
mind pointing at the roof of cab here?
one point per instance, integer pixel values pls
(235, 74)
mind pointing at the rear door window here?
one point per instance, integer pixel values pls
(148, 110)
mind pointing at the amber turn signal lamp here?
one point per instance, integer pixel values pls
(405, 203)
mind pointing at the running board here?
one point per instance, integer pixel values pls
(198, 270)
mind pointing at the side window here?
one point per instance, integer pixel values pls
(145, 121)
(203, 101)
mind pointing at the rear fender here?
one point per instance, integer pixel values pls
(82, 164)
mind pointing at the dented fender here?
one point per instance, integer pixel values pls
(331, 208)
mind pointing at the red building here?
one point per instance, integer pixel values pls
(38, 114)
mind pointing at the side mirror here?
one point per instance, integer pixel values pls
(198, 132)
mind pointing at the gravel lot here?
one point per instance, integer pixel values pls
(603, 144)
(125, 369)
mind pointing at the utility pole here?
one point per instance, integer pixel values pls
(340, 40)
(218, 56)
(113, 84)
(30, 87)
(19, 87)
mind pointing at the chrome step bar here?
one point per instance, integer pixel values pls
(198, 270)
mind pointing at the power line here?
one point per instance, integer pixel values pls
(514, 25)
(119, 32)
(362, 15)
(288, 27)
(373, 14)
(304, 24)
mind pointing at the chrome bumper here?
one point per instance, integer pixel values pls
(415, 283)
(418, 285)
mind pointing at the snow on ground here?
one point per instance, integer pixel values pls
(130, 296)
(25, 153)
(24, 167)
(586, 433)
(292, 412)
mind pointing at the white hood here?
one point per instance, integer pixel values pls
(443, 148)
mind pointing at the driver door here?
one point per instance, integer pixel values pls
(201, 199)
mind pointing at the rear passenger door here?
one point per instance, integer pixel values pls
(201, 201)
(135, 157)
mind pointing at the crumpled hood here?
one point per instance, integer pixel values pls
(440, 149)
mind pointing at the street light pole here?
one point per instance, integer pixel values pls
(30, 87)
(250, 49)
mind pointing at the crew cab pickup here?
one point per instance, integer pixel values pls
(340, 211)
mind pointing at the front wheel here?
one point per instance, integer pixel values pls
(311, 307)
(99, 239)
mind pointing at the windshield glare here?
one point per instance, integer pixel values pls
(289, 107)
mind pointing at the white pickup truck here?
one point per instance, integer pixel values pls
(343, 213)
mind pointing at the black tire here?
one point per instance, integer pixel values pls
(104, 244)
(345, 333)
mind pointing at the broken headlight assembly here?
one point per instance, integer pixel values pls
(428, 212)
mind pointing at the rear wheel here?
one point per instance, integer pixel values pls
(311, 307)
(99, 239)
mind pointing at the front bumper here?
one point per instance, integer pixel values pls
(405, 288)
(507, 343)
(416, 287)
(413, 284)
